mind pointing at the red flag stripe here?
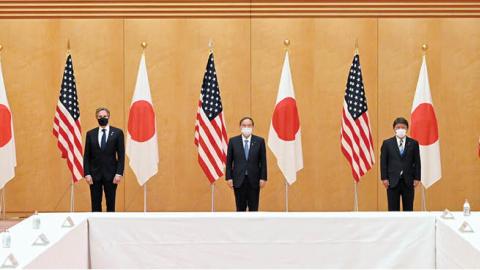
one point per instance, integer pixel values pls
(361, 140)
(66, 131)
(355, 141)
(213, 143)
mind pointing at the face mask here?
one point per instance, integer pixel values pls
(401, 132)
(103, 121)
(246, 131)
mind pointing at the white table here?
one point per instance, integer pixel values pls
(67, 248)
(263, 240)
(454, 248)
(248, 240)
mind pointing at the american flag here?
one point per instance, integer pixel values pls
(210, 130)
(66, 124)
(356, 135)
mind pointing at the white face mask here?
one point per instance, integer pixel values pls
(246, 131)
(401, 132)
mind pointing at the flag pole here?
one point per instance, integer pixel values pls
(72, 197)
(424, 190)
(212, 192)
(212, 185)
(286, 42)
(355, 183)
(145, 197)
(355, 198)
(424, 198)
(4, 214)
(144, 47)
(72, 189)
(286, 196)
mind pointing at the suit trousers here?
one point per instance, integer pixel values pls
(247, 196)
(407, 193)
(96, 192)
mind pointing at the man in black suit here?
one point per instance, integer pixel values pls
(247, 166)
(103, 161)
(400, 167)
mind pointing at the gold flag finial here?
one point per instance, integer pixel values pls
(356, 46)
(68, 46)
(210, 45)
(424, 49)
(1, 48)
(286, 42)
(144, 45)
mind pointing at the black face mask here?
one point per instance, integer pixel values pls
(103, 121)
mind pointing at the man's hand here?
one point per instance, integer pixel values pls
(89, 179)
(415, 183)
(263, 183)
(230, 183)
(386, 183)
(117, 179)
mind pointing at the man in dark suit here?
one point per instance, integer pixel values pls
(247, 166)
(400, 167)
(103, 161)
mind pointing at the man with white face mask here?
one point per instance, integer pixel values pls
(246, 168)
(400, 167)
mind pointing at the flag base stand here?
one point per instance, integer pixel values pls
(355, 198)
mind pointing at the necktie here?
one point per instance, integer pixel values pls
(401, 147)
(246, 149)
(103, 141)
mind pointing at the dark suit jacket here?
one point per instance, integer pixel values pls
(237, 165)
(108, 162)
(392, 163)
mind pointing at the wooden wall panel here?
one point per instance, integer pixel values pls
(249, 54)
(453, 61)
(33, 60)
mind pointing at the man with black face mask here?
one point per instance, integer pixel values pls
(103, 161)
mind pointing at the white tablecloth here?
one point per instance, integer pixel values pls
(233, 240)
(68, 247)
(454, 248)
(246, 240)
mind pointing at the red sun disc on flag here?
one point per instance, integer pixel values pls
(5, 125)
(285, 119)
(424, 124)
(141, 121)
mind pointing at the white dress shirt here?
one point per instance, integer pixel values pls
(100, 134)
(398, 142)
(249, 141)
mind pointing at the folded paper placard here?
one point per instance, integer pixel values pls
(447, 214)
(465, 228)
(10, 262)
(41, 240)
(68, 223)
